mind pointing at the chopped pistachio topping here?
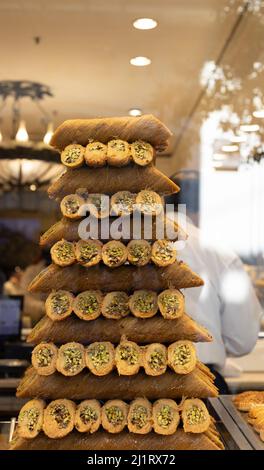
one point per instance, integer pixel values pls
(144, 302)
(181, 355)
(195, 415)
(139, 252)
(60, 303)
(118, 305)
(99, 202)
(88, 252)
(64, 251)
(164, 416)
(88, 415)
(44, 356)
(99, 355)
(164, 250)
(71, 205)
(96, 146)
(117, 145)
(30, 416)
(125, 202)
(139, 416)
(129, 354)
(61, 415)
(157, 360)
(140, 149)
(72, 155)
(73, 359)
(87, 303)
(114, 415)
(114, 254)
(170, 303)
(148, 202)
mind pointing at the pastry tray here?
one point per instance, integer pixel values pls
(235, 431)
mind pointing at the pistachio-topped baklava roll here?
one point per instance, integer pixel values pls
(30, 418)
(143, 303)
(114, 254)
(114, 416)
(182, 357)
(171, 303)
(99, 205)
(95, 154)
(163, 253)
(139, 419)
(71, 359)
(44, 358)
(59, 418)
(139, 252)
(118, 152)
(123, 203)
(142, 152)
(115, 305)
(127, 357)
(63, 253)
(88, 416)
(148, 202)
(155, 359)
(73, 156)
(87, 305)
(100, 357)
(72, 206)
(58, 305)
(195, 416)
(166, 416)
(88, 252)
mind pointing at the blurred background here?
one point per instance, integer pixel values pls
(196, 65)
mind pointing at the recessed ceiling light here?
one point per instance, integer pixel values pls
(135, 112)
(249, 127)
(236, 139)
(219, 156)
(145, 23)
(259, 113)
(140, 61)
(230, 148)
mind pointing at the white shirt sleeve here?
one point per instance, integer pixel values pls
(240, 310)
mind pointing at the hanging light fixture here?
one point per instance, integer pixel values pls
(22, 135)
(49, 134)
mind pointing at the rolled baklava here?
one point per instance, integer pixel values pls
(114, 416)
(143, 303)
(100, 357)
(114, 254)
(99, 205)
(87, 305)
(149, 202)
(44, 358)
(163, 253)
(63, 253)
(155, 359)
(182, 357)
(73, 156)
(73, 206)
(142, 152)
(95, 154)
(139, 419)
(59, 418)
(88, 252)
(30, 419)
(139, 252)
(88, 416)
(59, 304)
(115, 305)
(171, 304)
(166, 416)
(118, 152)
(71, 359)
(195, 416)
(123, 203)
(127, 357)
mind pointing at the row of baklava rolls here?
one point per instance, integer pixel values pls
(102, 357)
(90, 304)
(74, 206)
(114, 253)
(116, 152)
(140, 416)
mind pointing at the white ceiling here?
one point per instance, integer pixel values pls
(85, 47)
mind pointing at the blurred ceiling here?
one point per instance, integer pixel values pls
(83, 54)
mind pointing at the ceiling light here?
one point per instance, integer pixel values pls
(237, 139)
(219, 156)
(1, 137)
(33, 187)
(218, 164)
(135, 112)
(140, 61)
(22, 135)
(49, 134)
(145, 23)
(249, 127)
(230, 148)
(259, 113)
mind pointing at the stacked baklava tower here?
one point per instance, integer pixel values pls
(114, 363)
